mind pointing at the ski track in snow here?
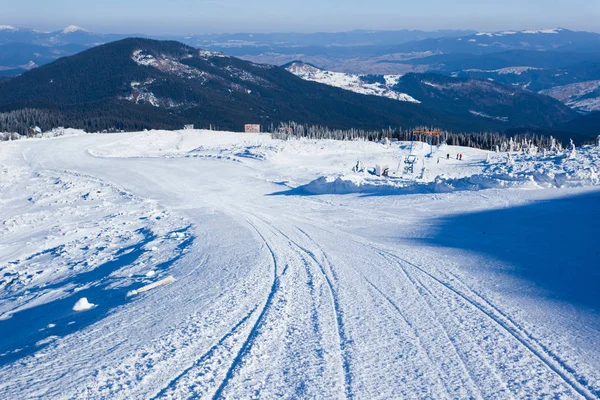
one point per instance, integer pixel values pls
(274, 296)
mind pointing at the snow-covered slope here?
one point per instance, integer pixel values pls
(382, 86)
(255, 290)
(583, 96)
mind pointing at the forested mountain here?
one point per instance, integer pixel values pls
(502, 106)
(505, 105)
(141, 83)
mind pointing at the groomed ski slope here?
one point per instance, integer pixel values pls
(449, 284)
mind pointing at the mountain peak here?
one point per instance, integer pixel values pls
(73, 29)
(8, 28)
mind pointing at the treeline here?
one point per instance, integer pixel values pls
(483, 140)
(22, 121)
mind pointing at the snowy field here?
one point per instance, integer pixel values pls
(278, 272)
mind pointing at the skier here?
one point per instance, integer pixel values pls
(461, 157)
(438, 160)
(457, 155)
(448, 155)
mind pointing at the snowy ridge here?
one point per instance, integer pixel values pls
(583, 96)
(530, 32)
(73, 29)
(507, 70)
(8, 28)
(351, 82)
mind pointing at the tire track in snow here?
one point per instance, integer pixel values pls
(254, 331)
(173, 383)
(540, 352)
(415, 335)
(344, 342)
(461, 361)
(416, 287)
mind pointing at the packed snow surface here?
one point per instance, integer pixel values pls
(259, 268)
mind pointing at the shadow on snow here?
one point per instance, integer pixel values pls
(21, 334)
(553, 244)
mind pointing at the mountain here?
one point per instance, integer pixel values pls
(582, 96)
(483, 42)
(141, 83)
(505, 105)
(500, 106)
(26, 56)
(273, 48)
(570, 77)
(588, 125)
(376, 85)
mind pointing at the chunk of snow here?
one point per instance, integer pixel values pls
(83, 305)
(151, 286)
(150, 274)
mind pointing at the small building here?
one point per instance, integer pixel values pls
(188, 127)
(252, 128)
(382, 170)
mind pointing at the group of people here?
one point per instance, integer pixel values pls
(458, 156)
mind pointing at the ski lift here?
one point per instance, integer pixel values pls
(409, 163)
(430, 134)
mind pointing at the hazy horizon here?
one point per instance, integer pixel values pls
(107, 31)
(180, 17)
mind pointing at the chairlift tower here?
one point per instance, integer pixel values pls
(430, 134)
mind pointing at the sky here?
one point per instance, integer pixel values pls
(218, 16)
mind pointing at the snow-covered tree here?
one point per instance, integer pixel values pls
(573, 152)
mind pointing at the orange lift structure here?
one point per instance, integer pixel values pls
(430, 133)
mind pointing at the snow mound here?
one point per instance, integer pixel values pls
(520, 171)
(83, 305)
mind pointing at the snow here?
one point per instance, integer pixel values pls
(480, 114)
(73, 29)
(467, 279)
(523, 171)
(507, 70)
(351, 82)
(83, 305)
(168, 64)
(8, 28)
(551, 31)
(583, 96)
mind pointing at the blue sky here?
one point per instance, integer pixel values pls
(206, 16)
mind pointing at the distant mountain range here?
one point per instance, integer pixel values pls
(558, 62)
(493, 81)
(29, 47)
(142, 83)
